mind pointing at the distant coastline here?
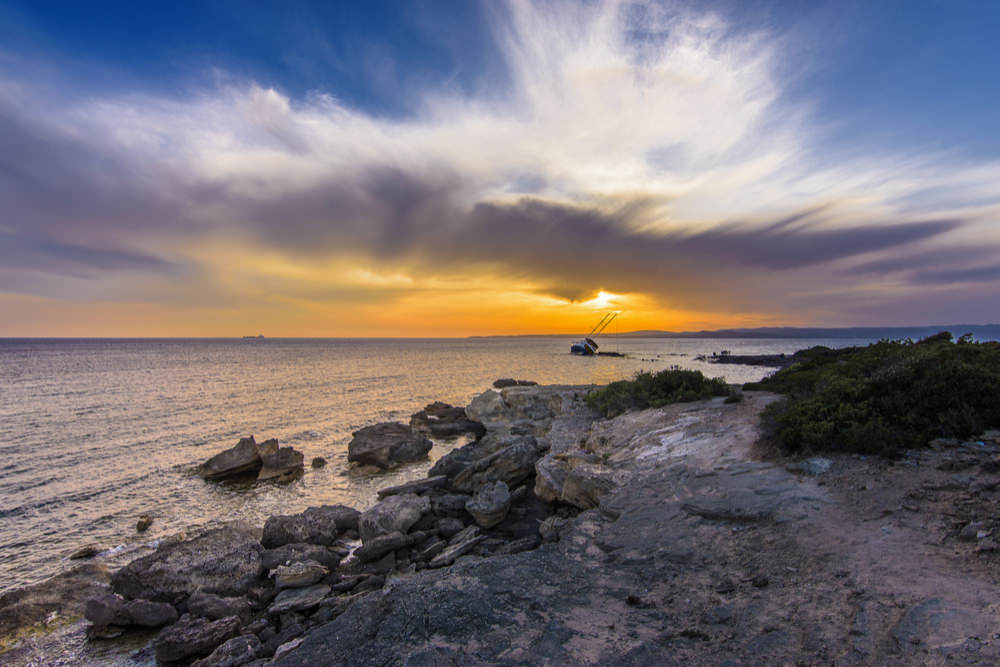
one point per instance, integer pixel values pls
(979, 331)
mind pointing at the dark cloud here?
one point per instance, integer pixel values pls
(977, 274)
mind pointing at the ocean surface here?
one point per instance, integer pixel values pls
(95, 433)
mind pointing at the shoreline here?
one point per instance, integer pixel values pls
(670, 540)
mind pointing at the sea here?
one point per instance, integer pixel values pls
(96, 433)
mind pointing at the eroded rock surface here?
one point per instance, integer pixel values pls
(387, 445)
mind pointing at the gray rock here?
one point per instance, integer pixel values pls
(489, 505)
(298, 575)
(284, 463)
(193, 637)
(298, 599)
(394, 514)
(240, 459)
(448, 526)
(450, 505)
(377, 547)
(225, 561)
(445, 421)
(143, 524)
(488, 408)
(86, 551)
(572, 479)
(417, 486)
(215, 607)
(316, 525)
(287, 647)
(510, 465)
(106, 609)
(459, 545)
(232, 653)
(299, 551)
(148, 614)
(552, 528)
(387, 445)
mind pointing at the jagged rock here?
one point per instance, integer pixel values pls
(489, 505)
(510, 465)
(280, 462)
(215, 607)
(395, 513)
(193, 637)
(377, 547)
(488, 408)
(150, 614)
(299, 551)
(417, 486)
(225, 561)
(445, 421)
(387, 445)
(316, 525)
(298, 575)
(298, 599)
(143, 524)
(232, 653)
(86, 551)
(503, 383)
(459, 545)
(572, 479)
(240, 459)
(106, 609)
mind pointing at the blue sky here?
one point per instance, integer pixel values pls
(847, 149)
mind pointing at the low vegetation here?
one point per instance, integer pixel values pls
(884, 398)
(653, 390)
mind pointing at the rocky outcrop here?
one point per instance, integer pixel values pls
(573, 479)
(241, 459)
(394, 514)
(511, 465)
(503, 383)
(387, 445)
(316, 525)
(441, 420)
(489, 505)
(224, 561)
(281, 464)
(193, 637)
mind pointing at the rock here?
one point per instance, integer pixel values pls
(489, 505)
(488, 409)
(418, 486)
(215, 607)
(298, 599)
(394, 514)
(287, 647)
(225, 561)
(522, 544)
(510, 465)
(193, 637)
(316, 525)
(232, 653)
(318, 462)
(450, 505)
(503, 383)
(552, 528)
(106, 609)
(150, 614)
(296, 552)
(459, 545)
(298, 575)
(387, 445)
(445, 421)
(382, 566)
(240, 459)
(815, 466)
(62, 596)
(448, 526)
(143, 524)
(572, 479)
(86, 551)
(970, 531)
(280, 462)
(377, 547)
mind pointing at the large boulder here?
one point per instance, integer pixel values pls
(193, 637)
(224, 561)
(489, 505)
(445, 421)
(394, 514)
(284, 463)
(148, 614)
(316, 525)
(387, 445)
(572, 479)
(241, 459)
(488, 408)
(510, 465)
(459, 458)
(106, 609)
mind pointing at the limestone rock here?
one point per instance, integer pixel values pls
(445, 421)
(394, 514)
(193, 637)
(573, 480)
(387, 445)
(316, 525)
(298, 575)
(225, 561)
(488, 408)
(489, 505)
(240, 459)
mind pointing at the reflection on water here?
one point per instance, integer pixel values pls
(94, 433)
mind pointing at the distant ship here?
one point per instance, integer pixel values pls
(253, 337)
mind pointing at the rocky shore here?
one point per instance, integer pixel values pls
(555, 537)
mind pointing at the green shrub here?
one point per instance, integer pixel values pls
(649, 390)
(884, 398)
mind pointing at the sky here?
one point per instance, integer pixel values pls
(462, 168)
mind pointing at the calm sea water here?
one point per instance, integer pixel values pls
(95, 433)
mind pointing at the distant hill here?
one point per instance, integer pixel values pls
(978, 331)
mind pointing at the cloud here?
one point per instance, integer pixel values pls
(638, 147)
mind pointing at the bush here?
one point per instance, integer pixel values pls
(648, 390)
(884, 398)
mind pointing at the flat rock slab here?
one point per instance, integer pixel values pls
(316, 525)
(417, 486)
(298, 599)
